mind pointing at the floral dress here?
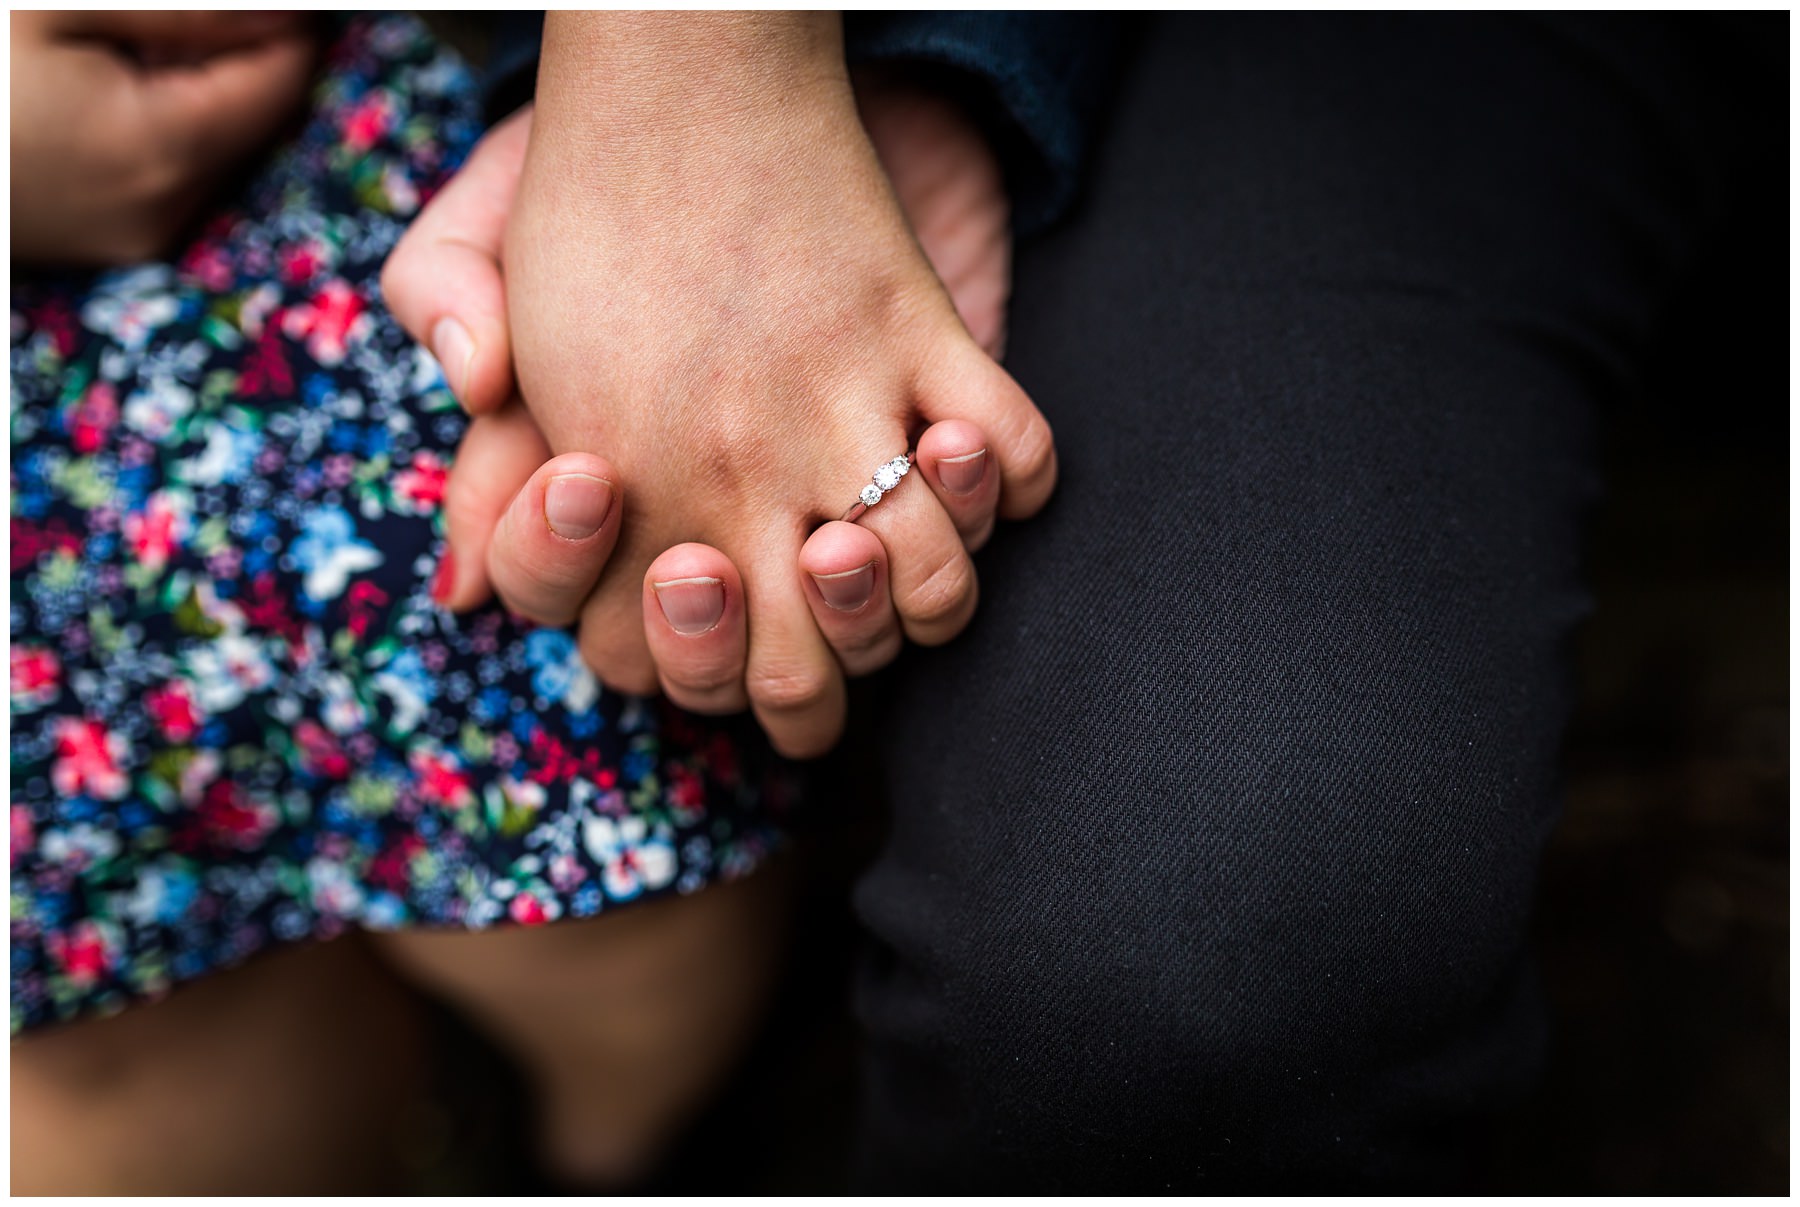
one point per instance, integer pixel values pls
(238, 719)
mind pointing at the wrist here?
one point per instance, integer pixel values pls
(638, 79)
(663, 126)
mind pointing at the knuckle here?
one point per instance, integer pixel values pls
(617, 663)
(806, 743)
(533, 592)
(788, 689)
(975, 539)
(711, 682)
(538, 609)
(942, 596)
(1035, 459)
(866, 653)
(537, 568)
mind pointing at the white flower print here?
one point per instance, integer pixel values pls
(632, 859)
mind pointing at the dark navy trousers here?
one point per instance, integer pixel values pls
(1211, 844)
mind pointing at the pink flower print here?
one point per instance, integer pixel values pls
(87, 760)
(506, 750)
(86, 953)
(231, 819)
(206, 263)
(23, 837)
(155, 531)
(301, 263)
(566, 873)
(440, 780)
(362, 602)
(527, 910)
(266, 371)
(36, 676)
(556, 763)
(319, 752)
(434, 654)
(422, 483)
(172, 708)
(93, 417)
(29, 543)
(55, 320)
(266, 608)
(368, 120)
(225, 562)
(390, 869)
(686, 794)
(197, 775)
(135, 451)
(327, 322)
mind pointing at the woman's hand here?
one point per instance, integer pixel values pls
(124, 123)
(708, 276)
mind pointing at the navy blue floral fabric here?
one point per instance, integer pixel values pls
(238, 719)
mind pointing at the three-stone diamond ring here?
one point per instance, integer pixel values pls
(886, 477)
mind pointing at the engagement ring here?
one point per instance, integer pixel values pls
(885, 478)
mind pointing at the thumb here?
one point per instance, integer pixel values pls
(442, 282)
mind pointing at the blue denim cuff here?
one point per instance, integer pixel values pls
(510, 77)
(1038, 83)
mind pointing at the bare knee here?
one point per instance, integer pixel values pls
(287, 1075)
(626, 1023)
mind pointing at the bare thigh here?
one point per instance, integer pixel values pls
(626, 1023)
(290, 1075)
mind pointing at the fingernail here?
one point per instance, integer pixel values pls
(445, 578)
(454, 348)
(576, 505)
(849, 590)
(962, 474)
(692, 605)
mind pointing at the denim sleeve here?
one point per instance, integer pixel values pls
(510, 76)
(1037, 83)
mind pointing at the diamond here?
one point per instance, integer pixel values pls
(899, 465)
(887, 477)
(871, 495)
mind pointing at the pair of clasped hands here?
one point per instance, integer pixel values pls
(693, 299)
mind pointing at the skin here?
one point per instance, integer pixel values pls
(447, 272)
(626, 1025)
(297, 1072)
(125, 123)
(735, 357)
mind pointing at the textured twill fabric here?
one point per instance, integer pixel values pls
(1213, 839)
